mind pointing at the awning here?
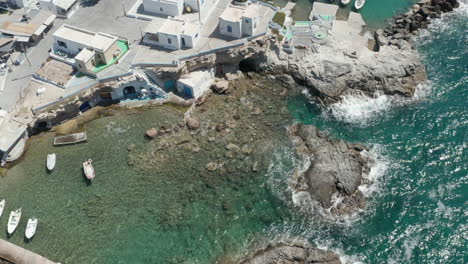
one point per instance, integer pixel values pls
(40, 30)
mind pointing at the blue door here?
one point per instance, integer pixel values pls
(188, 91)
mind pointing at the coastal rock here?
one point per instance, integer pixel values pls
(193, 123)
(151, 133)
(292, 253)
(220, 86)
(336, 168)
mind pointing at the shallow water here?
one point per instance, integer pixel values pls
(132, 215)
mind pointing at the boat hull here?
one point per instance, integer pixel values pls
(31, 228)
(2, 206)
(51, 159)
(88, 170)
(13, 221)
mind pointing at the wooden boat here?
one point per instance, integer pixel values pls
(2, 206)
(88, 169)
(345, 2)
(31, 228)
(359, 4)
(13, 221)
(51, 161)
(70, 139)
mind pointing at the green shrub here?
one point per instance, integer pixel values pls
(279, 18)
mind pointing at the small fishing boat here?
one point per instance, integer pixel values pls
(88, 169)
(51, 158)
(345, 2)
(2, 206)
(13, 221)
(359, 4)
(31, 228)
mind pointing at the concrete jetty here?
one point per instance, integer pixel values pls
(19, 255)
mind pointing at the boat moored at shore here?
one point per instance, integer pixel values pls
(31, 228)
(51, 159)
(359, 4)
(13, 221)
(345, 2)
(89, 170)
(2, 206)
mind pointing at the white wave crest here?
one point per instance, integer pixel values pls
(378, 167)
(361, 109)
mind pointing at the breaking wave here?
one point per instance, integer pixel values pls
(361, 109)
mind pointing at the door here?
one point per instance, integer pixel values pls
(183, 42)
(188, 91)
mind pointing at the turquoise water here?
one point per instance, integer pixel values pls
(178, 213)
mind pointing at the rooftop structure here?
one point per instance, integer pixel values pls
(74, 34)
(237, 21)
(173, 34)
(322, 11)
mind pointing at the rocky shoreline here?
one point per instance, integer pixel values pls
(334, 169)
(292, 252)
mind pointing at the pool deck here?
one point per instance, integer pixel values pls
(19, 255)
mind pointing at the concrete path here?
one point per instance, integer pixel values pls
(19, 255)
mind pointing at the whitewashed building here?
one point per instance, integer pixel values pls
(195, 83)
(174, 34)
(239, 21)
(171, 7)
(88, 48)
(61, 8)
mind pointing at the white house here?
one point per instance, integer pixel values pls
(171, 7)
(61, 8)
(88, 48)
(195, 83)
(237, 21)
(174, 34)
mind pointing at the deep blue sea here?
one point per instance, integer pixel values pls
(417, 190)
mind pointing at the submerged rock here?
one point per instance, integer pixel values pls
(292, 253)
(193, 123)
(152, 133)
(335, 168)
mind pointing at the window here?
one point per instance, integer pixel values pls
(161, 9)
(169, 41)
(196, 35)
(229, 29)
(246, 21)
(62, 44)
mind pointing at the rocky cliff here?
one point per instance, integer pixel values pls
(333, 169)
(292, 253)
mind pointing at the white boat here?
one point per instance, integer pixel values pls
(345, 2)
(359, 4)
(14, 220)
(31, 228)
(2, 206)
(51, 158)
(88, 169)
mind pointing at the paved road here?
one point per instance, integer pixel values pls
(106, 16)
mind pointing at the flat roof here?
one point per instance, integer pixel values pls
(193, 78)
(322, 9)
(11, 131)
(235, 13)
(103, 41)
(65, 4)
(85, 55)
(232, 13)
(100, 41)
(173, 27)
(74, 34)
(19, 29)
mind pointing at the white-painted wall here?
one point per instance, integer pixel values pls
(198, 88)
(163, 7)
(249, 24)
(236, 28)
(48, 5)
(73, 48)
